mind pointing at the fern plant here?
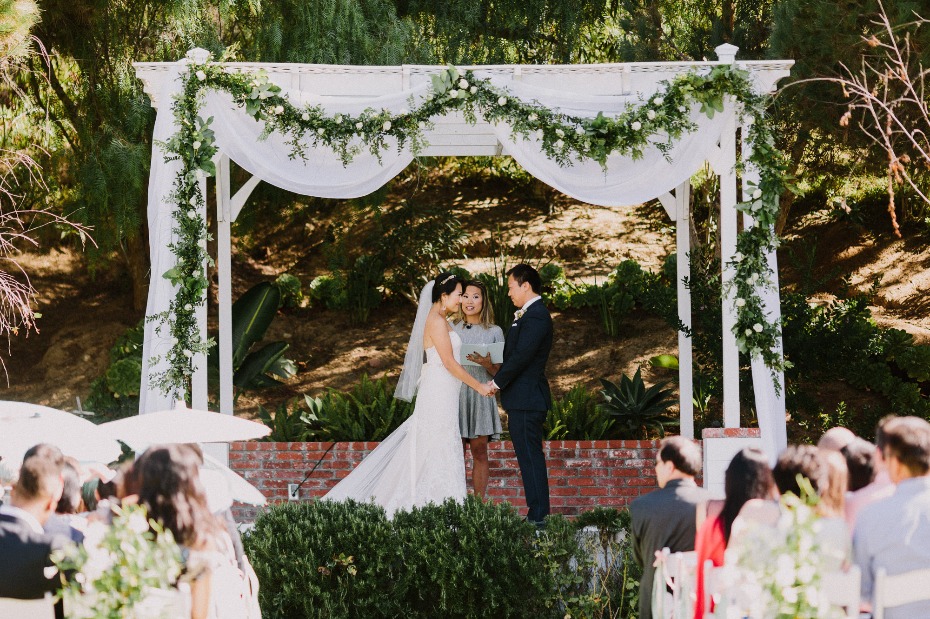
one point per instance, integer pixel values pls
(287, 424)
(638, 412)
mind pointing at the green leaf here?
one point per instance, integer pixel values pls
(252, 314)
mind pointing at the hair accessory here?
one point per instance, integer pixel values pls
(446, 280)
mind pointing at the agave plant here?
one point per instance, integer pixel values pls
(638, 412)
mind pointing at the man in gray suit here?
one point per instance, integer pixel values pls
(668, 516)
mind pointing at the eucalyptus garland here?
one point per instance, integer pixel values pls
(564, 138)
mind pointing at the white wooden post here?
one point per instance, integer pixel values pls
(224, 268)
(199, 385)
(685, 361)
(727, 250)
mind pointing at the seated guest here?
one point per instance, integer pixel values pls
(65, 521)
(833, 497)
(836, 438)
(860, 462)
(25, 548)
(748, 477)
(668, 516)
(881, 487)
(168, 483)
(894, 533)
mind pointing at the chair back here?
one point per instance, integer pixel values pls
(11, 608)
(899, 589)
(676, 573)
(842, 590)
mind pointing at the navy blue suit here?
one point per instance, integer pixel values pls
(24, 555)
(526, 397)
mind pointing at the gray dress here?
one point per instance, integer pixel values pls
(478, 416)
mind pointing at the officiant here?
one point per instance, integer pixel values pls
(479, 419)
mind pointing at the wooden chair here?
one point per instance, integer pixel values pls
(899, 589)
(678, 573)
(11, 608)
(842, 590)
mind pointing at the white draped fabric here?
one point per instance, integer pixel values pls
(624, 182)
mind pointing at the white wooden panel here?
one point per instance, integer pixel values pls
(717, 455)
(727, 250)
(683, 270)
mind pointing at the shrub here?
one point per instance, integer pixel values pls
(577, 417)
(475, 559)
(326, 560)
(638, 412)
(287, 424)
(291, 290)
(116, 393)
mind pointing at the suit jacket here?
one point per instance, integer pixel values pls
(24, 555)
(522, 377)
(666, 517)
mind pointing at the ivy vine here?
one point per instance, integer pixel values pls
(563, 137)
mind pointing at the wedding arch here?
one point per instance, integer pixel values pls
(608, 134)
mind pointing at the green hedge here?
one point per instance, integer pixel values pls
(326, 559)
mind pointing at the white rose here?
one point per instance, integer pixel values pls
(748, 331)
(473, 89)
(753, 278)
(421, 125)
(560, 133)
(188, 353)
(305, 116)
(463, 83)
(192, 213)
(201, 75)
(636, 126)
(174, 342)
(532, 117)
(138, 523)
(193, 200)
(756, 194)
(650, 115)
(196, 145)
(279, 109)
(682, 108)
(188, 307)
(320, 130)
(502, 101)
(358, 125)
(453, 93)
(658, 101)
(740, 302)
(387, 125)
(757, 328)
(559, 144)
(737, 257)
(579, 130)
(338, 119)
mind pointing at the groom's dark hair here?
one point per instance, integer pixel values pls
(523, 274)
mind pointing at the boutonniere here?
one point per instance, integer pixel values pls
(517, 315)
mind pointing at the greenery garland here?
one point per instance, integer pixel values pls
(563, 138)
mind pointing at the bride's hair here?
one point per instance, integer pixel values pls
(445, 283)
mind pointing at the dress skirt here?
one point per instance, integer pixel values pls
(478, 416)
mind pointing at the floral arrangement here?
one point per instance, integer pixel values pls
(128, 568)
(778, 573)
(564, 138)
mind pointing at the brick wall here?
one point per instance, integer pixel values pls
(582, 474)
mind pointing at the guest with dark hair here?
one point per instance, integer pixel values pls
(747, 477)
(881, 487)
(65, 521)
(860, 461)
(804, 460)
(168, 482)
(894, 534)
(667, 517)
(25, 548)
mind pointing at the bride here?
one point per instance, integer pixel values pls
(421, 462)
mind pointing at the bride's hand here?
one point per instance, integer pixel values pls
(485, 389)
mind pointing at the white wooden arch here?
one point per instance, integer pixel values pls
(453, 136)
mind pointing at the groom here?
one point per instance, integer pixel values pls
(524, 389)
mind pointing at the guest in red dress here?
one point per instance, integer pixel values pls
(748, 477)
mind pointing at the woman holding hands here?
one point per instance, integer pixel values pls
(479, 420)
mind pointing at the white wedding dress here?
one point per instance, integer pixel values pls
(421, 461)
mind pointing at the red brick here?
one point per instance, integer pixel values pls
(595, 491)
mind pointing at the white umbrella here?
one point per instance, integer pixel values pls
(182, 425)
(23, 425)
(239, 489)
